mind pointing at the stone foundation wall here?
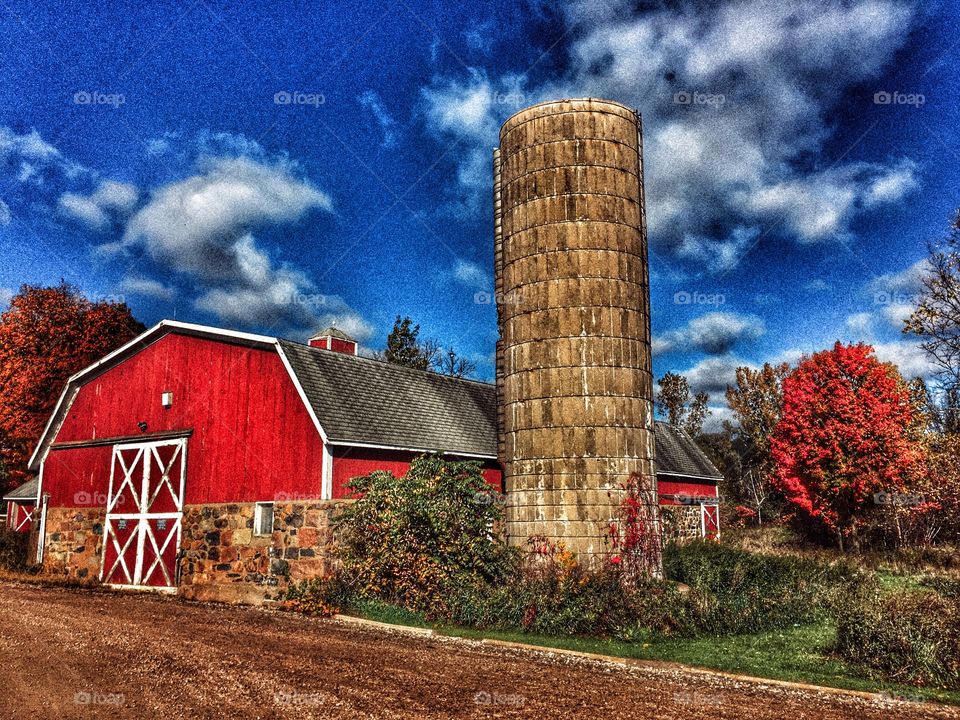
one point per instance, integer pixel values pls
(74, 542)
(220, 557)
(680, 522)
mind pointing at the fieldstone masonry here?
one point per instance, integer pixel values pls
(220, 557)
(74, 542)
(681, 522)
(574, 370)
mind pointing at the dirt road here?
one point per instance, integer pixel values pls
(72, 654)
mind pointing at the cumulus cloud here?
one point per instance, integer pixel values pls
(6, 295)
(860, 324)
(713, 375)
(204, 226)
(735, 97)
(200, 225)
(147, 287)
(97, 211)
(908, 356)
(4, 213)
(468, 111)
(469, 273)
(372, 102)
(714, 333)
(31, 160)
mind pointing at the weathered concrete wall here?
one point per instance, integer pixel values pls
(574, 367)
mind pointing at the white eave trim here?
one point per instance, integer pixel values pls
(40, 452)
(714, 478)
(300, 391)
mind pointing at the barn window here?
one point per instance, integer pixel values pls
(263, 518)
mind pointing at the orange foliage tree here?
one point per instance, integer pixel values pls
(46, 335)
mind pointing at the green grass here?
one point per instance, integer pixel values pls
(799, 654)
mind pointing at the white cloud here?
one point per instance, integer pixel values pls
(720, 173)
(139, 285)
(194, 224)
(908, 356)
(4, 213)
(821, 206)
(32, 160)
(203, 228)
(97, 211)
(469, 273)
(6, 295)
(713, 375)
(714, 333)
(29, 146)
(817, 286)
(860, 324)
(371, 100)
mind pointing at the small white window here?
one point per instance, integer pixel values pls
(263, 519)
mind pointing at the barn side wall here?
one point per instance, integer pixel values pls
(252, 438)
(351, 462)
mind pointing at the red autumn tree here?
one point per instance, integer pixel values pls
(844, 435)
(46, 335)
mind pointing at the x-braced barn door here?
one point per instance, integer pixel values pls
(144, 510)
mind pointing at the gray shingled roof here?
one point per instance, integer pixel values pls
(359, 400)
(27, 491)
(678, 454)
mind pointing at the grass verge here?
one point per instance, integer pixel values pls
(799, 654)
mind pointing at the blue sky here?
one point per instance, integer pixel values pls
(279, 168)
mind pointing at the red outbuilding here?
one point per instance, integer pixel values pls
(20, 505)
(209, 462)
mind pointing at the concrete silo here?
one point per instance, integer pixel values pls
(574, 375)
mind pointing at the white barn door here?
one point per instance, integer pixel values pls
(141, 534)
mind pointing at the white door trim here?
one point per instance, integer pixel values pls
(148, 457)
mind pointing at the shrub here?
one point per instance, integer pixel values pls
(13, 550)
(551, 594)
(733, 591)
(406, 539)
(318, 597)
(907, 636)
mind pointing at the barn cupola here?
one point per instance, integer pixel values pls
(333, 339)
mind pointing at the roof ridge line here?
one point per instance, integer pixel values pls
(386, 363)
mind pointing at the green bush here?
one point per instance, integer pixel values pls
(733, 591)
(318, 597)
(13, 550)
(551, 594)
(907, 636)
(406, 539)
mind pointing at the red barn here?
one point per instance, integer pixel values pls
(209, 462)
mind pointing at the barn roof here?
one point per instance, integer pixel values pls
(677, 454)
(359, 401)
(27, 491)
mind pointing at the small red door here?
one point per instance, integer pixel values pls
(144, 513)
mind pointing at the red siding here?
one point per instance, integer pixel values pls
(690, 489)
(336, 344)
(252, 437)
(352, 462)
(18, 517)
